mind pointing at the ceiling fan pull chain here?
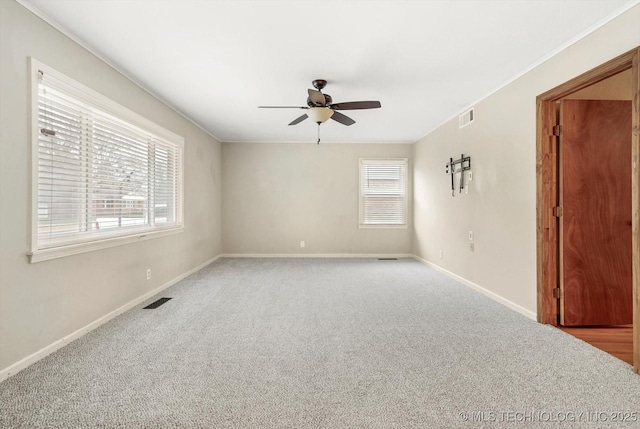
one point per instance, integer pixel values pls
(318, 133)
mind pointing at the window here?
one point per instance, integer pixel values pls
(102, 175)
(383, 193)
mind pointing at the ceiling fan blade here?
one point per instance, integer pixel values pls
(355, 105)
(298, 120)
(282, 107)
(343, 119)
(317, 97)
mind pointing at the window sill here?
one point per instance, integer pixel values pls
(383, 226)
(75, 249)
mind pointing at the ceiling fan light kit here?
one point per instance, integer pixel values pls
(319, 114)
(320, 107)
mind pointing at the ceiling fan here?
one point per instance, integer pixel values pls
(320, 107)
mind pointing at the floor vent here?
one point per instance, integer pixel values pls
(156, 304)
(387, 259)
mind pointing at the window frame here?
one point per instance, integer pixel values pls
(405, 199)
(89, 96)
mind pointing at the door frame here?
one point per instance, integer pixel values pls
(547, 234)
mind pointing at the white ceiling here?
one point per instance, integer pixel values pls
(216, 61)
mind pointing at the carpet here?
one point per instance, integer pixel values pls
(322, 343)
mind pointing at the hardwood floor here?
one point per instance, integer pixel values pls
(615, 340)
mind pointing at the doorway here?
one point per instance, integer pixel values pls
(568, 215)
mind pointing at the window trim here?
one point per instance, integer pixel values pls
(361, 225)
(109, 106)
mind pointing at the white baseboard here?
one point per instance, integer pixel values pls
(316, 255)
(494, 296)
(45, 351)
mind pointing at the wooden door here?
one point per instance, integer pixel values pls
(595, 225)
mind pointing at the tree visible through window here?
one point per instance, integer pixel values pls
(98, 174)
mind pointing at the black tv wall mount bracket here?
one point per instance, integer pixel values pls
(458, 166)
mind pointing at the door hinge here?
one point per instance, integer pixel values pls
(557, 211)
(556, 293)
(556, 130)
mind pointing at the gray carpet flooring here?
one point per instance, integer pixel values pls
(322, 343)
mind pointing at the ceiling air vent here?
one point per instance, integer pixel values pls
(466, 118)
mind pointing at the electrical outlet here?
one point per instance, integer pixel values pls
(148, 273)
(470, 176)
(302, 244)
(441, 254)
(472, 246)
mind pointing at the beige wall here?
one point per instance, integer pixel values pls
(276, 195)
(501, 205)
(43, 302)
(617, 87)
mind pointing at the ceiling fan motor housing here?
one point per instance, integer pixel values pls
(327, 98)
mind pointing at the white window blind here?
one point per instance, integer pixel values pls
(383, 192)
(99, 174)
